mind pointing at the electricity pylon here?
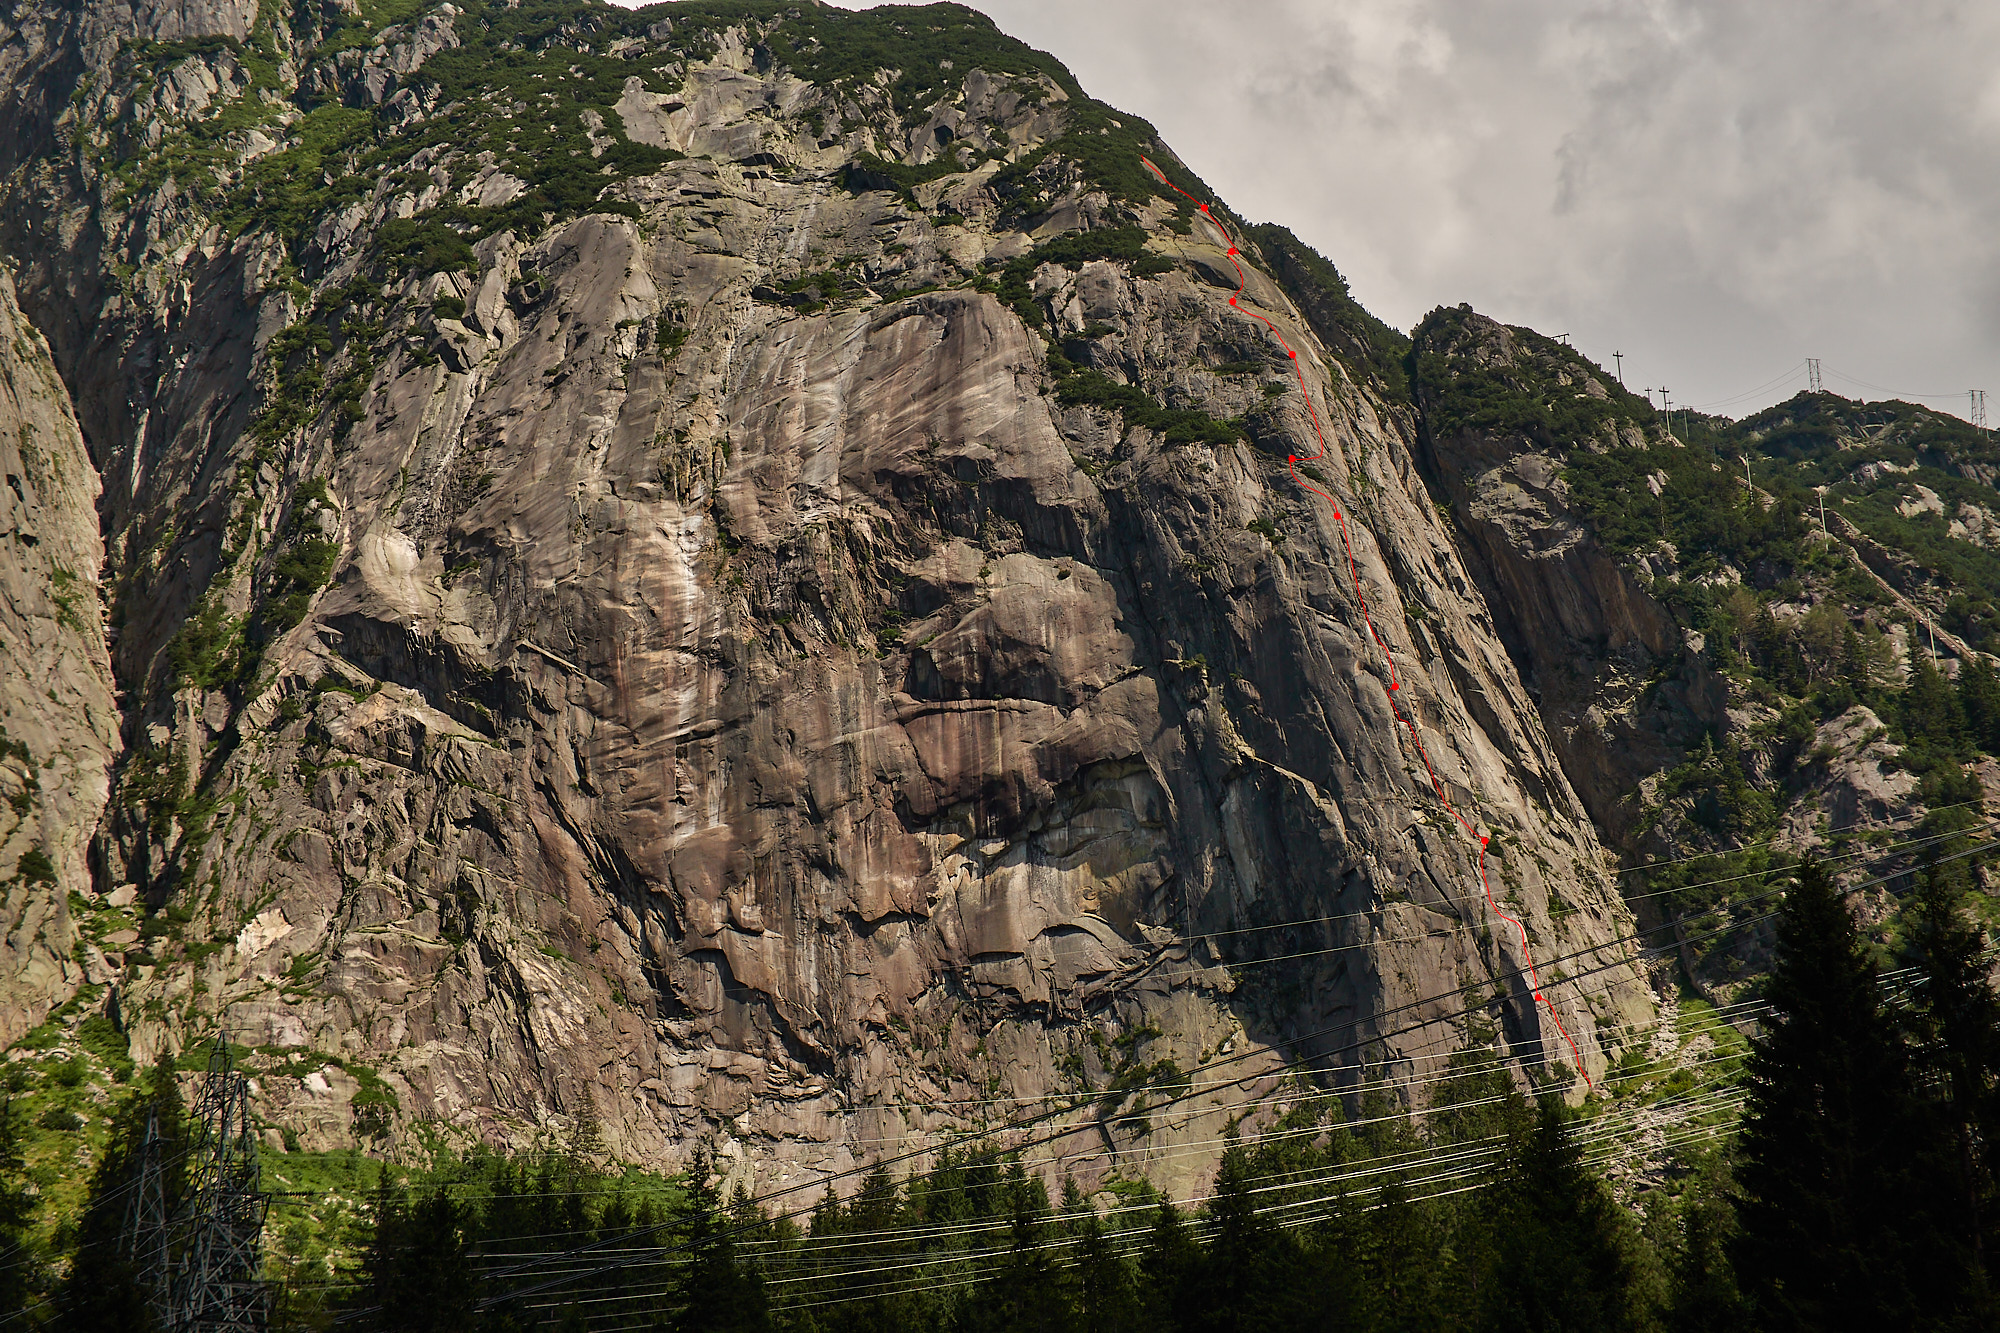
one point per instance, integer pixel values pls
(217, 1288)
(199, 1264)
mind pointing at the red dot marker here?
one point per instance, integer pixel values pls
(1291, 458)
(1392, 684)
(1483, 840)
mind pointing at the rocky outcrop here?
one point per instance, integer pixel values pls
(1621, 693)
(709, 663)
(58, 716)
(1852, 781)
(50, 51)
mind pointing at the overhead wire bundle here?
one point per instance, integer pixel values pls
(544, 1274)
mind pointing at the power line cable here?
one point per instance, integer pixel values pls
(1896, 393)
(1121, 1242)
(1072, 1129)
(1481, 1150)
(1197, 1148)
(1057, 1134)
(1473, 899)
(1791, 374)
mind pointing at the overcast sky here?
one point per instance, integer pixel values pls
(1717, 188)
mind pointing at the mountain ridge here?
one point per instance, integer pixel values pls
(724, 573)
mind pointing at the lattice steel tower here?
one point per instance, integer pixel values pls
(216, 1287)
(145, 1237)
(198, 1263)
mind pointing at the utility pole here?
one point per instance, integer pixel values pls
(1619, 357)
(1822, 507)
(1978, 397)
(1812, 374)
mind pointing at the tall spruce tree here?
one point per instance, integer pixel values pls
(1979, 698)
(1954, 1017)
(1409, 1290)
(418, 1275)
(1930, 707)
(718, 1292)
(1169, 1268)
(1251, 1276)
(870, 1220)
(1565, 1252)
(1702, 1294)
(1856, 672)
(1342, 1293)
(1107, 1301)
(1829, 1171)
(1022, 1292)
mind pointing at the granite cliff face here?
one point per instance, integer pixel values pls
(773, 615)
(58, 717)
(1621, 690)
(1738, 641)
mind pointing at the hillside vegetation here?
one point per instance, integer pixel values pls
(575, 799)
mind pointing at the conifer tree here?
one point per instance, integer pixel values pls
(825, 1215)
(1107, 1301)
(17, 1215)
(1169, 1266)
(1564, 1252)
(1955, 1022)
(717, 1292)
(1235, 1280)
(1856, 672)
(1827, 1167)
(871, 1218)
(1979, 699)
(1379, 1261)
(1022, 1293)
(1702, 1295)
(418, 1275)
(1930, 707)
(1476, 1098)
(1249, 1279)
(1342, 1292)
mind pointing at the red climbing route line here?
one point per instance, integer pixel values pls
(1354, 572)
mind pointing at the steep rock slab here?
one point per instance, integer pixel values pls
(661, 665)
(1620, 692)
(58, 716)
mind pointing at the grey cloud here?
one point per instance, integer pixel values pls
(1718, 189)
